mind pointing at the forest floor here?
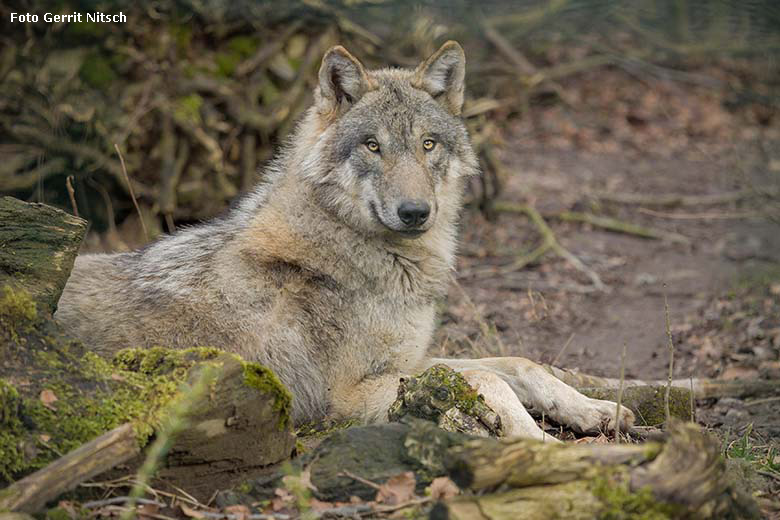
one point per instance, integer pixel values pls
(723, 287)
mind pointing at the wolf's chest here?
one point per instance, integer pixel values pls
(386, 336)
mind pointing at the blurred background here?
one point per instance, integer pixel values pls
(630, 153)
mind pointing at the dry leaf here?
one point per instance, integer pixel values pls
(599, 439)
(48, 398)
(443, 488)
(397, 489)
(319, 505)
(240, 511)
(190, 512)
(147, 511)
(735, 372)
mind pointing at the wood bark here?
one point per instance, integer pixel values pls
(38, 245)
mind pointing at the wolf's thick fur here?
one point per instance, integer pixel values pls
(328, 272)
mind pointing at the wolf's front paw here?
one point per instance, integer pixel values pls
(599, 416)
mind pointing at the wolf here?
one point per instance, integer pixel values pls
(329, 271)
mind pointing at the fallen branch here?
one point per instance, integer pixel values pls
(33, 492)
(682, 477)
(618, 226)
(702, 388)
(549, 243)
(675, 199)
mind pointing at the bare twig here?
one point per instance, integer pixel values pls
(667, 394)
(132, 194)
(620, 393)
(120, 500)
(357, 478)
(71, 194)
(563, 349)
(763, 401)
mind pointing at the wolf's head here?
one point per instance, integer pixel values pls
(390, 151)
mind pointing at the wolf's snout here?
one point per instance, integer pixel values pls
(414, 213)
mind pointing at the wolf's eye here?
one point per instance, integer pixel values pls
(429, 144)
(372, 146)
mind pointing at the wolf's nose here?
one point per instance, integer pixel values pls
(413, 213)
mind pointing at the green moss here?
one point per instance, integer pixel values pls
(461, 394)
(262, 378)
(16, 305)
(18, 313)
(244, 487)
(11, 456)
(60, 513)
(621, 503)
(182, 35)
(96, 71)
(226, 63)
(187, 108)
(244, 46)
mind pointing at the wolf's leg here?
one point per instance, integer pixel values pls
(515, 419)
(537, 388)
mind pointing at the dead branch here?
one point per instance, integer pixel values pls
(32, 492)
(619, 226)
(549, 243)
(675, 199)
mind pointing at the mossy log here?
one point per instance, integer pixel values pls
(647, 402)
(682, 477)
(703, 388)
(38, 245)
(376, 453)
(55, 396)
(443, 395)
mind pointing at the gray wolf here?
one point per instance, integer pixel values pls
(328, 272)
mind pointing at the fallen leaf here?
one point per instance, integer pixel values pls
(147, 511)
(190, 512)
(240, 511)
(443, 488)
(319, 505)
(397, 489)
(48, 398)
(735, 372)
(44, 438)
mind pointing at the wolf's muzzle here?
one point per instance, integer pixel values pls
(413, 213)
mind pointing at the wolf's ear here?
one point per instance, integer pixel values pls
(442, 76)
(343, 81)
